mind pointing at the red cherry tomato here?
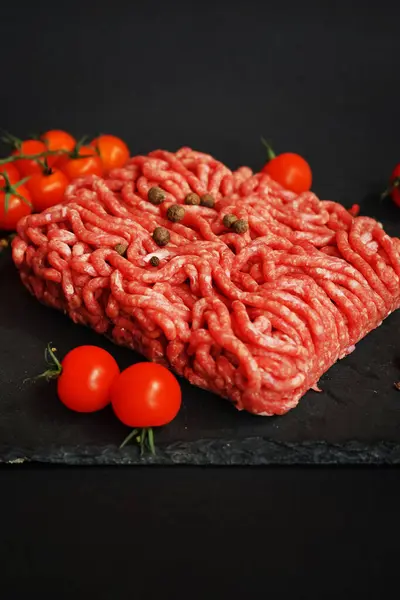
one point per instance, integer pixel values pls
(291, 171)
(87, 375)
(13, 208)
(28, 166)
(75, 166)
(114, 153)
(395, 185)
(12, 172)
(47, 188)
(146, 395)
(56, 139)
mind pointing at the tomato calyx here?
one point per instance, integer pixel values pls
(46, 169)
(270, 153)
(55, 368)
(394, 184)
(144, 437)
(10, 189)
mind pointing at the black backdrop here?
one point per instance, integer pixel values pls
(317, 78)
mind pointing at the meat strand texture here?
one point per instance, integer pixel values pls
(256, 317)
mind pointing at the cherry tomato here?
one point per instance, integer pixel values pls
(146, 395)
(114, 153)
(47, 188)
(17, 207)
(395, 185)
(75, 167)
(12, 172)
(291, 171)
(27, 166)
(86, 378)
(56, 139)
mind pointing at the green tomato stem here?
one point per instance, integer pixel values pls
(12, 140)
(146, 436)
(270, 153)
(394, 184)
(129, 437)
(43, 154)
(75, 152)
(150, 434)
(55, 368)
(142, 440)
(11, 189)
(51, 352)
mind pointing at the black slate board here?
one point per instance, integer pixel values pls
(356, 419)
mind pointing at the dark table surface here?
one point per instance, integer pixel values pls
(320, 79)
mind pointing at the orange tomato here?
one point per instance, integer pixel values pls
(28, 166)
(14, 204)
(114, 153)
(47, 188)
(56, 139)
(76, 166)
(12, 172)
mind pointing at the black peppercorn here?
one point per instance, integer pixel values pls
(154, 261)
(121, 249)
(161, 236)
(239, 226)
(229, 220)
(156, 195)
(207, 200)
(175, 213)
(192, 199)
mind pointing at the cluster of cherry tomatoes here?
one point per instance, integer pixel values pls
(143, 396)
(35, 175)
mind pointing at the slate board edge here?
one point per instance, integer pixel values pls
(254, 451)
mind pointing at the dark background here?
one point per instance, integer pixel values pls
(314, 78)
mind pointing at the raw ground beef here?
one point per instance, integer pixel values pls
(244, 288)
